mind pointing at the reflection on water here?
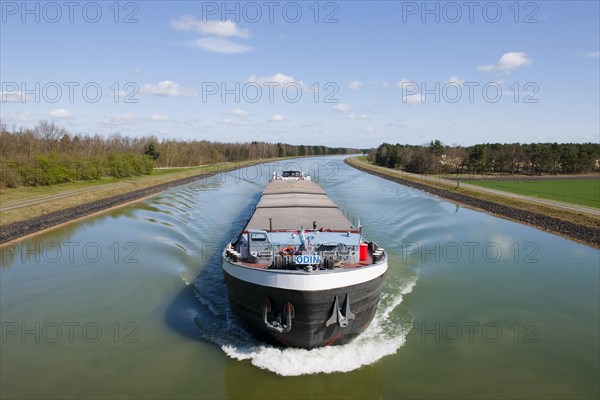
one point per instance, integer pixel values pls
(42, 246)
(139, 300)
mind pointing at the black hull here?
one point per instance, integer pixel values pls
(312, 310)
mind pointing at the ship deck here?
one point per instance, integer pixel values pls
(367, 262)
(295, 204)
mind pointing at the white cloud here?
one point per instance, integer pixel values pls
(593, 54)
(276, 118)
(404, 83)
(385, 84)
(167, 88)
(238, 117)
(240, 113)
(279, 78)
(216, 34)
(60, 113)
(508, 62)
(456, 79)
(159, 118)
(185, 23)
(214, 28)
(355, 85)
(342, 108)
(13, 97)
(414, 99)
(398, 123)
(345, 109)
(220, 45)
(26, 116)
(125, 117)
(224, 29)
(125, 93)
(369, 129)
(357, 116)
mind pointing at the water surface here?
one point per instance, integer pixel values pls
(132, 303)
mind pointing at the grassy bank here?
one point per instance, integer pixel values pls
(41, 200)
(585, 192)
(24, 193)
(451, 187)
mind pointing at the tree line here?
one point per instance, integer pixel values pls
(490, 158)
(47, 154)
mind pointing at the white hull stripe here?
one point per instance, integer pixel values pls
(305, 281)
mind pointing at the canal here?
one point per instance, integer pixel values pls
(132, 303)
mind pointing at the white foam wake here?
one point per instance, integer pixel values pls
(386, 334)
(365, 350)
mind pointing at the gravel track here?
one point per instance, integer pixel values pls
(57, 196)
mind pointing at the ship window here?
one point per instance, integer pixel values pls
(258, 237)
(291, 174)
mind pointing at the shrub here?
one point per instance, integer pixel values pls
(50, 170)
(9, 178)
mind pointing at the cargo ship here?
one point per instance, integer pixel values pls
(300, 274)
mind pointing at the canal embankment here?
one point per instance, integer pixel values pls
(29, 216)
(574, 224)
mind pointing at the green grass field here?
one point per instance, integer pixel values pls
(584, 192)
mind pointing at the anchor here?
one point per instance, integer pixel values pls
(336, 313)
(276, 325)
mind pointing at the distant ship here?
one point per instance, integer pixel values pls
(300, 274)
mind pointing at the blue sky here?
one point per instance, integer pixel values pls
(350, 73)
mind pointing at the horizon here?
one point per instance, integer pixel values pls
(164, 139)
(335, 74)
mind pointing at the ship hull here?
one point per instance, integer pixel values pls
(311, 325)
